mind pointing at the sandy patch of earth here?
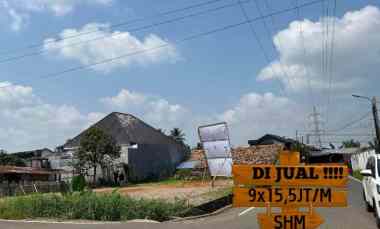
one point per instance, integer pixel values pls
(195, 192)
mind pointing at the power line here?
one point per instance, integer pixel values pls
(113, 35)
(270, 34)
(255, 35)
(353, 122)
(123, 23)
(331, 59)
(343, 135)
(192, 37)
(307, 73)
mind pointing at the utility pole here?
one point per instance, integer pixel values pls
(375, 118)
(376, 121)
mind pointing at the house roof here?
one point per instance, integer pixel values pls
(126, 129)
(269, 137)
(31, 153)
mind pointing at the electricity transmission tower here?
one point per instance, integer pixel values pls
(316, 122)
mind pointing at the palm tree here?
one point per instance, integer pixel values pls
(177, 134)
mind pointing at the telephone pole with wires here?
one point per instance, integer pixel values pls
(375, 117)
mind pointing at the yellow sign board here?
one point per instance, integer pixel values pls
(290, 196)
(294, 175)
(290, 186)
(299, 220)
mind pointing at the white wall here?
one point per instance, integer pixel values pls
(359, 160)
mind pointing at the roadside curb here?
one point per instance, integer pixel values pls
(179, 219)
(355, 179)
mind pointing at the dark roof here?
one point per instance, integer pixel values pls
(269, 137)
(127, 129)
(31, 153)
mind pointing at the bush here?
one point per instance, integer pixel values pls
(88, 206)
(357, 174)
(78, 183)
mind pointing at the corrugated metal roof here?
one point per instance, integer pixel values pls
(189, 165)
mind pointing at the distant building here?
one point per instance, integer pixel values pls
(28, 155)
(271, 139)
(146, 153)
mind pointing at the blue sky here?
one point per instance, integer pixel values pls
(220, 77)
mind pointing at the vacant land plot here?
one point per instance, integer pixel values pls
(195, 192)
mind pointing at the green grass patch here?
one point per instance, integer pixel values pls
(88, 206)
(218, 193)
(357, 175)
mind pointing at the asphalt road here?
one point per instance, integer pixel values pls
(354, 216)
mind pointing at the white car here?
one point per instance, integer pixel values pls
(371, 186)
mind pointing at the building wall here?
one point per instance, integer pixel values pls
(153, 162)
(145, 162)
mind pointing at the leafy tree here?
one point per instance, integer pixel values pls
(9, 159)
(374, 144)
(350, 143)
(178, 135)
(95, 147)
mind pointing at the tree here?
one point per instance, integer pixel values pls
(178, 135)
(9, 159)
(373, 144)
(350, 143)
(95, 147)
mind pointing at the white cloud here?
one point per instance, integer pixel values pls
(27, 122)
(19, 11)
(125, 99)
(356, 52)
(17, 20)
(155, 110)
(258, 114)
(58, 7)
(115, 44)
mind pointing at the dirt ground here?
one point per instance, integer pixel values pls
(195, 192)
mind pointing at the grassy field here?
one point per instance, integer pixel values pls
(88, 206)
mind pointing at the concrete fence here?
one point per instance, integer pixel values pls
(15, 189)
(359, 160)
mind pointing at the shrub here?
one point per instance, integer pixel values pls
(357, 174)
(88, 206)
(78, 183)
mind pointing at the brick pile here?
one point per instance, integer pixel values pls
(261, 154)
(198, 155)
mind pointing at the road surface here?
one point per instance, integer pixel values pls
(354, 216)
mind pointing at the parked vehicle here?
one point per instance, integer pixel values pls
(371, 186)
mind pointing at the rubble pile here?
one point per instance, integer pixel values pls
(261, 154)
(198, 155)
